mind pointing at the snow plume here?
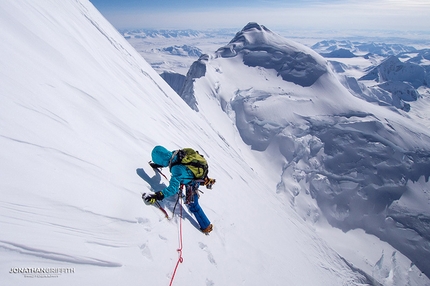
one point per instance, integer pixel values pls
(80, 113)
(344, 160)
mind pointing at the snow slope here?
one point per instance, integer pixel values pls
(80, 112)
(345, 160)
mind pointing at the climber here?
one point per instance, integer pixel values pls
(183, 173)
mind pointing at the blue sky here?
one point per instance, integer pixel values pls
(295, 14)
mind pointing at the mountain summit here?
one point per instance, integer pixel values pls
(260, 47)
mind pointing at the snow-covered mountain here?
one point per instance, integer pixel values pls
(80, 112)
(344, 159)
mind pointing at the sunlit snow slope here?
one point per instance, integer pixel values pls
(80, 111)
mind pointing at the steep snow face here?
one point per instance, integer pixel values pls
(361, 163)
(260, 47)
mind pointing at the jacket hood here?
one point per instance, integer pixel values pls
(161, 156)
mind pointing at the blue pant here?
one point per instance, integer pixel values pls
(197, 210)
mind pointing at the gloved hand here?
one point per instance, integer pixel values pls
(151, 199)
(209, 182)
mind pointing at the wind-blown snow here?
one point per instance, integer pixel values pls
(80, 112)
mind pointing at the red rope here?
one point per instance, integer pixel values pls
(180, 259)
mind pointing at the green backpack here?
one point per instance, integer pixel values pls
(194, 161)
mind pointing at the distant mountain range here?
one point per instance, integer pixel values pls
(358, 48)
(166, 33)
(401, 78)
(397, 78)
(148, 33)
(184, 50)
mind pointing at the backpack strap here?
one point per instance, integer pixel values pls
(180, 154)
(171, 163)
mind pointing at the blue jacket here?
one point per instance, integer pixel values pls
(180, 174)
